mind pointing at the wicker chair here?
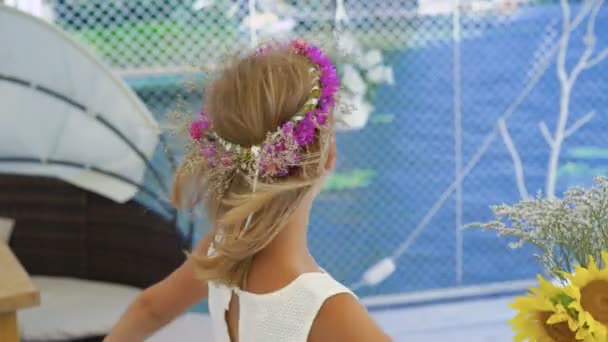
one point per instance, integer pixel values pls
(63, 230)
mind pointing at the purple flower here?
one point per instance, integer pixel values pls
(322, 107)
(330, 81)
(280, 147)
(329, 91)
(323, 61)
(297, 158)
(314, 114)
(271, 165)
(330, 84)
(288, 128)
(281, 153)
(321, 119)
(305, 132)
(282, 172)
(314, 54)
(267, 148)
(208, 150)
(330, 76)
(326, 102)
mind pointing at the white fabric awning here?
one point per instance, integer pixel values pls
(62, 109)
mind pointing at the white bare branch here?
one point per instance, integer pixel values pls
(589, 40)
(564, 40)
(578, 124)
(591, 7)
(597, 59)
(597, 5)
(580, 66)
(567, 80)
(517, 163)
(544, 130)
(566, 14)
(582, 14)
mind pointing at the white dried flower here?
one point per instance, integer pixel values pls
(567, 231)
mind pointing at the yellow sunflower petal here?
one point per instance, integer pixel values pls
(605, 258)
(580, 277)
(573, 324)
(542, 317)
(592, 266)
(572, 292)
(583, 335)
(557, 318)
(520, 337)
(588, 289)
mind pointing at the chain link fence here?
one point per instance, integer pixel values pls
(456, 110)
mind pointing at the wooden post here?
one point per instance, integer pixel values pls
(8, 327)
(16, 292)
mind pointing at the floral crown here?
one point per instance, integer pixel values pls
(281, 151)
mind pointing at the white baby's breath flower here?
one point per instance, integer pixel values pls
(566, 230)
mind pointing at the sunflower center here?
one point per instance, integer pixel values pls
(559, 332)
(594, 299)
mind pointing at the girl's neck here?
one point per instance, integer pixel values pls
(290, 247)
(285, 258)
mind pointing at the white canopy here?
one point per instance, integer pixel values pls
(63, 113)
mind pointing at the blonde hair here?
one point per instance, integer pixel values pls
(252, 96)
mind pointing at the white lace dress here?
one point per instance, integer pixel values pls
(285, 315)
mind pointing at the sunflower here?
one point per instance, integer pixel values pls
(589, 289)
(542, 317)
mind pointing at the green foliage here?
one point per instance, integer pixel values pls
(350, 180)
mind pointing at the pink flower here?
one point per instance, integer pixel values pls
(226, 159)
(199, 126)
(299, 45)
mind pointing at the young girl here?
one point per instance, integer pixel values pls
(261, 151)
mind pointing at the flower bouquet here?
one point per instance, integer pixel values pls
(572, 235)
